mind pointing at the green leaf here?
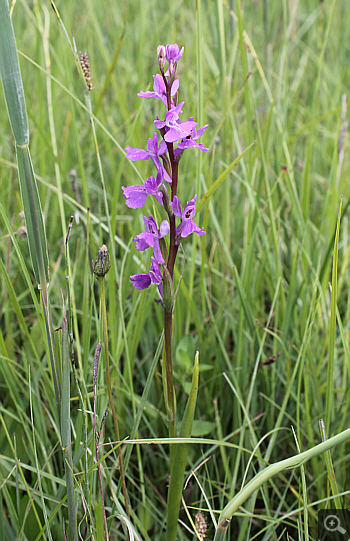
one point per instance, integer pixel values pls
(202, 428)
(11, 78)
(33, 215)
(184, 354)
(16, 106)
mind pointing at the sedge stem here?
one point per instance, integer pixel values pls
(109, 388)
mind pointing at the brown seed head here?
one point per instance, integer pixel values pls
(201, 524)
(85, 66)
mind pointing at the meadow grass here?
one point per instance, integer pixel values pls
(255, 297)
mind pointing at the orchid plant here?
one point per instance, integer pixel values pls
(165, 151)
(166, 160)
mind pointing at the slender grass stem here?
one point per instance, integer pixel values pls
(75, 375)
(269, 472)
(109, 389)
(98, 435)
(66, 429)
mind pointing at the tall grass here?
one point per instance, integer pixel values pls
(255, 297)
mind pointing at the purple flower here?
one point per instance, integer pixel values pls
(173, 55)
(141, 281)
(159, 90)
(136, 196)
(190, 141)
(150, 238)
(174, 129)
(156, 275)
(187, 225)
(154, 152)
(144, 279)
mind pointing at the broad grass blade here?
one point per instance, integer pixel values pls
(16, 106)
(11, 78)
(33, 214)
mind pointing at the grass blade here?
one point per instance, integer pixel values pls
(220, 179)
(272, 470)
(66, 430)
(33, 215)
(332, 325)
(11, 78)
(16, 107)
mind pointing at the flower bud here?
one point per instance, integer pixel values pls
(166, 202)
(168, 290)
(161, 57)
(102, 263)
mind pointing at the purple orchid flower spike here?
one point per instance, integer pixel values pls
(187, 225)
(159, 90)
(136, 196)
(190, 140)
(150, 238)
(165, 158)
(144, 279)
(175, 130)
(154, 152)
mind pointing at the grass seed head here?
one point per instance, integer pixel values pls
(85, 66)
(201, 524)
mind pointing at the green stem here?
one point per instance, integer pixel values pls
(170, 394)
(109, 388)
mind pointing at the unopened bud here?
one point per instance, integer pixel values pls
(161, 57)
(171, 71)
(102, 263)
(166, 201)
(168, 290)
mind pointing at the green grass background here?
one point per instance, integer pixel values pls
(254, 298)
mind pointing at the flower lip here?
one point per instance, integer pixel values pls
(190, 140)
(136, 195)
(150, 238)
(187, 225)
(141, 281)
(144, 279)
